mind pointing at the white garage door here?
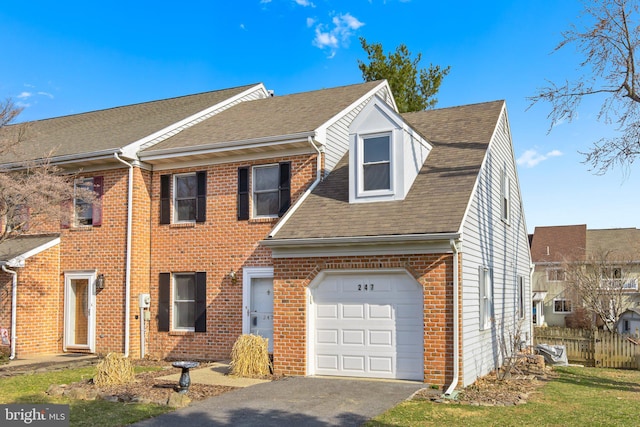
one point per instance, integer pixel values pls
(368, 325)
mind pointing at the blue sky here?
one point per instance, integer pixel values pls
(69, 57)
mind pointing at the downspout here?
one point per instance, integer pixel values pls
(456, 321)
(290, 212)
(14, 307)
(530, 310)
(127, 280)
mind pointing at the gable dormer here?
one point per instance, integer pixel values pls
(385, 154)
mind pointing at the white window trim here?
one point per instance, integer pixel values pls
(562, 299)
(505, 197)
(360, 165)
(520, 309)
(173, 301)
(174, 198)
(486, 297)
(254, 204)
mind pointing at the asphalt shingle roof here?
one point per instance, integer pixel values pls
(559, 243)
(621, 243)
(10, 249)
(436, 202)
(111, 128)
(274, 116)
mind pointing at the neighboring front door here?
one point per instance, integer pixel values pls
(258, 303)
(79, 311)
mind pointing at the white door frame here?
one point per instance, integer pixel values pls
(249, 273)
(68, 342)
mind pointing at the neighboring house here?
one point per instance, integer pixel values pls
(360, 241)
(629, 322)
(556, 248)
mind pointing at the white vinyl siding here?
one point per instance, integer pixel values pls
(489, 241)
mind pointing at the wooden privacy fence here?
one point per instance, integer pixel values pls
(597, 348)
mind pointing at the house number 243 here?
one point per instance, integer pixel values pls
(365, 287)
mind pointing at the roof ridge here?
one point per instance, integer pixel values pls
(136, 104)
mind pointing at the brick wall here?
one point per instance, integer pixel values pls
(217, 246)
(39, 314)
(293, 275)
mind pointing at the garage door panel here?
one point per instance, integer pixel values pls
(379, 328)
(327, 311)
(353, 363)
(381, 365)
(327, 336)
(381, 338)
(353, 337)
(327, 361)
(380, 311)
(352, 311)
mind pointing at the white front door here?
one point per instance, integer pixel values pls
(79, 311)
(367, 324)
(258, 303)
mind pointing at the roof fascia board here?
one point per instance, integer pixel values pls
(226, 146)
(179, 164)
(19, 260)
(320, 241)
(131, 150)
(71, 158)
(344, 247)
(322, 129)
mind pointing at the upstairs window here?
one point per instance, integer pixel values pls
(555, 275)
(189, 197)
(375, 171)
(270, 191)
(84, 213)
(505, 190)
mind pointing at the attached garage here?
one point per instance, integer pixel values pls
(366, 324)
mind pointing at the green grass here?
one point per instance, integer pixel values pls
(577, 397)
(32, 389)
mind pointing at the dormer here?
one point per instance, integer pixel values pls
(385, 154)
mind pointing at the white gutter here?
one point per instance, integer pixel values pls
(456, 321)
(14, 307)
(127, 280)
(295, 207)
(214, 147)
(324, 241)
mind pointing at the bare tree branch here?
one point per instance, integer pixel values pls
(607, 37)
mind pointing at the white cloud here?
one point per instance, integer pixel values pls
(310, 22)
(24, 95)
(265, 1)
(531, 158)
(242, 27)
(47, 94)
(337, 34)
(304, 3)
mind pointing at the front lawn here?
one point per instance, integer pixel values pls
(32, 389)
(578, 396)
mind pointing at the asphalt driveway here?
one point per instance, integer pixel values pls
(293, 401)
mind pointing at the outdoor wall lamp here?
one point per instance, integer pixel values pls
(100, 281)
(233, 276)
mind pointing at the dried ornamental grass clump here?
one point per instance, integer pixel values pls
(114, 369)
(250, 356)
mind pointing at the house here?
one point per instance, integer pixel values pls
(614, 253)
(359, 241)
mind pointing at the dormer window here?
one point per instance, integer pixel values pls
(376, 163)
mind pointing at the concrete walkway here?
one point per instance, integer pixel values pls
(293, 401)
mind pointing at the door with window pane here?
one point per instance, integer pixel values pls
(79, 313)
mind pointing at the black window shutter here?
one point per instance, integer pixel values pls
(165, 199)
(285, 187)
(96, 207)
(201, 196)
(243, 193)
(201, 302)
(164, 299)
